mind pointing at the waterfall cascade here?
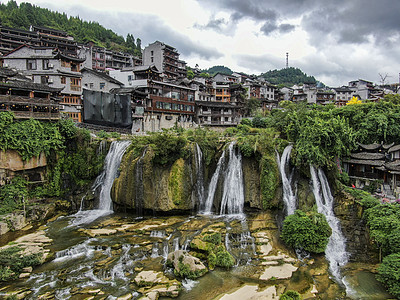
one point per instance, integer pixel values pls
(289, 196)
(213, 185)
(104, 181)
(336, 249)
(200, 177)
(233, 193)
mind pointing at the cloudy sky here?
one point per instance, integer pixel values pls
(334, 40)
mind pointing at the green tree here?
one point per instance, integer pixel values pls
(389, 274)
(306, 231)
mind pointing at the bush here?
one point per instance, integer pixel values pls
(224, 258)
(12, 263)
(290, 295)
(306, 231)
(12, 195)
(389, 274)
(384, 224)
(214, 238)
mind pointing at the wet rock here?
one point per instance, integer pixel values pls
(150, 278)
(252, 292)
(279, 272)
(186, 266)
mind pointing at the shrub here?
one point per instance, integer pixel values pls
(389, 273)
(214, 238)
(224, 258)
(12, 263)
(290, 295)
(306, 231)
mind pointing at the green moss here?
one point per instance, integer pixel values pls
(224, 258)
(214, 238)
(184, 271)
(12, 262)
(176, 182)
(269, 180)
(212, 260)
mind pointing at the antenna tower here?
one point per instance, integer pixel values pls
(287, 60)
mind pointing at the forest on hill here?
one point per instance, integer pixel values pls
(24, 15)
(288, 77)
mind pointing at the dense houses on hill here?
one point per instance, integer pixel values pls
(156, 85)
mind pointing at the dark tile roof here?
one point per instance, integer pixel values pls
(102, 75)
(370, 146)
(28, 85)
(394, 148)
(368, 155)
(375, 163)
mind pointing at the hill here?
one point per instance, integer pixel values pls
(26, 14)
(219, 69)
(288, 77)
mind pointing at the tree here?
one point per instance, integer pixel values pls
(252, 105)
(306, 231)
(389, 274)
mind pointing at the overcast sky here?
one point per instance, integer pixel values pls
(334, 40)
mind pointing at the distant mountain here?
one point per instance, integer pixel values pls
(288, 77)
(26, 14)
(219, 69)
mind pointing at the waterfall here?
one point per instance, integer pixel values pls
(289, 198)
(200, 177)
(213, 185)
(336, 249)
(233, 193)
(139, 194)
(104, 181)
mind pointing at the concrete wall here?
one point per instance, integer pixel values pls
(158, 56)
(92, 82)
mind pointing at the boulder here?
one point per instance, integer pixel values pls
(185, 265)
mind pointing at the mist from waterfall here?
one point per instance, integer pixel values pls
(336, 249)
(289, 197)
(104, 182)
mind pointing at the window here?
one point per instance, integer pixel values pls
(45, 64)
(152, 52)
(65, 64)
(63, 80)
(31, 64)
(152, 59)
(102, 85)
(130, 77)
(44, 79)
(75, 84)
(91, 85)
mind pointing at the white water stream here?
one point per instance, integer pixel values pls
(289, 197)
(104, 181)
(336, 249)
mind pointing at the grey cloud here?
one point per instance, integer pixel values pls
(260, 63)
(286, 28)
(213, 23)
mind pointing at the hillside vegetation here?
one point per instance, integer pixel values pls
(288, 77)
(23, 15)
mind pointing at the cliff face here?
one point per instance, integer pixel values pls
(143, 185)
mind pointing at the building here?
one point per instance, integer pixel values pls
(51, 67)
(102, 59)
(343, 95)
(165, 104)
(98, 81)
(377, 165)
(11, 38)
(27, 99)
(166, 59)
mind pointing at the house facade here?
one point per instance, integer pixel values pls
(165, 58)
(51, 67)
(98, 81)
